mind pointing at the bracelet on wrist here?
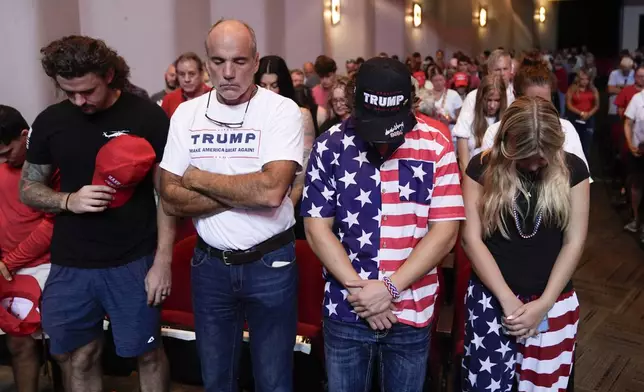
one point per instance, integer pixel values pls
(67, 201)
(391, 287)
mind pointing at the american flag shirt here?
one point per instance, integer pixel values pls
(382, 208)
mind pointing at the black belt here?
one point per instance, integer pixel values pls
(237, 257)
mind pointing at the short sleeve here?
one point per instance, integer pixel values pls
(455, 101)
(319, 194)
(631, 109)
(475, 168)
(612, 79)
(176, 154)
(38, 149)
(490, 135)
(463, 127)
(447, 196)
(578, 169)
(157, 133)
(284, 130)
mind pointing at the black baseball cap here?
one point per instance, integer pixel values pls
(383, 101)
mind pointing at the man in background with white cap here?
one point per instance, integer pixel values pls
(25, 237)
(382, 205)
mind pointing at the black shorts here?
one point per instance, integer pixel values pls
(636, 168)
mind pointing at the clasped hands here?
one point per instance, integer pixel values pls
(371, 301)
(522, 320)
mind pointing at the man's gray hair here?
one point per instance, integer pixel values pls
(494, 58)
(253, 37)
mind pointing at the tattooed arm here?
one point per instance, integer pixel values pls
(35, 190)
(309, 138)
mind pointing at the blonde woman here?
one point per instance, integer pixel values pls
(339, 104)
(491, 102)
(526, 203)
(582, 102)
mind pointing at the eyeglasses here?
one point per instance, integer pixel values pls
(235, 125)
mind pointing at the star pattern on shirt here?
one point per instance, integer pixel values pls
(315, 212)
(351, 219)
(327, 193)
(363, 198)
(321, 146)
(364, 239)
(418, 172)
(314, 174)
(348, 179)
(361, 158)
(405, 192)
(347, 141)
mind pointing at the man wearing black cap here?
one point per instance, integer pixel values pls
(381, 203)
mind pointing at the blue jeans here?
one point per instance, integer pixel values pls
(261, 293)
(352, 349)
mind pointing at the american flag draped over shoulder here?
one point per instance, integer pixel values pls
(381, 210)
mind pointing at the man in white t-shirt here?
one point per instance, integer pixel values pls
(499, 63)
(230, 159)
(537, 81)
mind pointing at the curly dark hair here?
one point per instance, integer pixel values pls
(75, 56)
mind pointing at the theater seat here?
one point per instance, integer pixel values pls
(310, 286)
(463, 269)
(177, 308)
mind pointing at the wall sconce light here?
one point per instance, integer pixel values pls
(417, 15)
(335, 12)
(482, 16)
(542, 14)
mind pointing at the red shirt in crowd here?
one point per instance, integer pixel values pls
(624, 97)
(584, 101)
(562, 79)
(25, 233)
(172, 101)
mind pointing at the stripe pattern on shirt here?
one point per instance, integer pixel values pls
(381, 211)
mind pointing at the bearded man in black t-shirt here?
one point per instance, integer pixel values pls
(111, 248)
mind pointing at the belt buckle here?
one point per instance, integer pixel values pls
(224, 256)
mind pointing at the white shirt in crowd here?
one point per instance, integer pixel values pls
(272, 131)
(617, 78)
(635, 111)
(572, 144)
(463, 127)
(471, 139)
(448, 103)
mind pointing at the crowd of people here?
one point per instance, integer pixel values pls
(379, 170)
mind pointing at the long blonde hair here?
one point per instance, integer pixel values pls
(489, 84)
(529, 127)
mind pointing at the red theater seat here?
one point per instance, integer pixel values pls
(463, 269)
(177, 308)
(310, 291)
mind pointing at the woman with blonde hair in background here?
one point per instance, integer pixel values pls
(526, 203)
(339, 104)
(582, 102)
(491, 102)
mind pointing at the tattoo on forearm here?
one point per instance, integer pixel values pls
(34, 188)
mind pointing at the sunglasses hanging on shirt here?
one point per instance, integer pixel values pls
(234, 125)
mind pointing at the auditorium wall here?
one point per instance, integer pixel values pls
(150, 34)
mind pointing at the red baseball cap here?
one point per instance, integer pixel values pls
(461, 79)
(20, 299)
(121, 164)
